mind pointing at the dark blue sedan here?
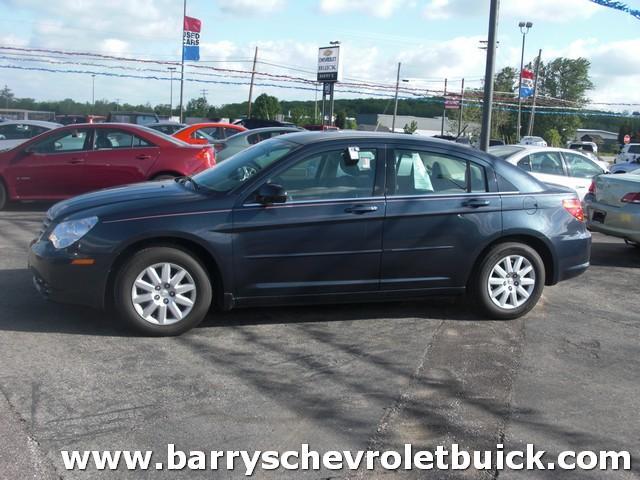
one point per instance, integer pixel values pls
(315, 218)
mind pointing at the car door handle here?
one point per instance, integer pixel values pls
(143, 156)
(360, 209)
(76, 161)
(476, 202)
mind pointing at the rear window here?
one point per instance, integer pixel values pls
(505, 151)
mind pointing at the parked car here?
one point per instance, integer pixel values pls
(80, 158)
(166, 127)
(253, 123)
(557, 166)
(240, 141)
(137, 118)
(320, 128)
(626, 167)
(584, 146)
(71, 119)
(207, 132)
(628, 153)
(15, 132)
(613, 206)
(535, 141)
(376, 217)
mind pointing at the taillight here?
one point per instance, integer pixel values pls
(207, 156)
(632, 197)
(592, 187)
(574, 207)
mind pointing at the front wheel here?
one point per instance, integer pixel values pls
(509, 281)
(163, 291)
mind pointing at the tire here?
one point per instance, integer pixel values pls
(140, 303)
(502, 305)
(4, 196)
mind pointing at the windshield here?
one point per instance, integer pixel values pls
(505, 151)
(239, 168)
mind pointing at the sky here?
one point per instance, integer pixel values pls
(433, 39)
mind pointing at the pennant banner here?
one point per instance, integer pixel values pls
(526, 89)
(191, 38)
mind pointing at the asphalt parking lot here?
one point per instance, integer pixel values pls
(565, 377)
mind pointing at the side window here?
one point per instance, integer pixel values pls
(210, 133)
(69, 141)
(634, 149)
(580, 167)
(525, 163)
(546, 162)
(330, 175)
(230, 131)
(108, 138)
(426, 173)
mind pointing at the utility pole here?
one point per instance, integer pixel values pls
(184, 14)
(535, 94)
(444, 108)
(117, 104)
(253, 76)
(315, 106)
(524, 29)
(395, 107)
(460, 107)
(488, 75)
(204, 92)
(171, 70)
(93, 90)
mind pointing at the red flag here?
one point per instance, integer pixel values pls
(192, 24)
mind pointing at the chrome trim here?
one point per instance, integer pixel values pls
(168, 215)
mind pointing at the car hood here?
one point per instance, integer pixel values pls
(125, 199)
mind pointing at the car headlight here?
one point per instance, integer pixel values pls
(67, 233)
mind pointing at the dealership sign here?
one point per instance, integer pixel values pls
(191, 38)
(329, 67)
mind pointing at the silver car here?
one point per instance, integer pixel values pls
(243, 140)
(613, 206)
(15, 132)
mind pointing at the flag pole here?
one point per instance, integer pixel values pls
(184, 14)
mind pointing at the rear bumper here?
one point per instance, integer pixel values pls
(58, 280)
(622, 222)
(573, 255)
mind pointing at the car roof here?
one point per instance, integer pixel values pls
(273, 129)
(165, 122)
(38, 123)
(307, 137)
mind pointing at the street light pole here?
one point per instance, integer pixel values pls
(395, 107)
(184, 14)
(171, 70)
(444, 108)
(488, 76)
(524, 29)
(93, 90)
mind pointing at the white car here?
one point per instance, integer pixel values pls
(556, 166)
(628, 153)
(535, 141)
(15, 132)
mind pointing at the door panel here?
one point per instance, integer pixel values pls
(118, 158)
(438, 213)
(54, 167)
(326, 238)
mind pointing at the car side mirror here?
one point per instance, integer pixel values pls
(271, 193)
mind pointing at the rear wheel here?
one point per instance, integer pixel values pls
(509, 281)
(163, 291)
(4, 196)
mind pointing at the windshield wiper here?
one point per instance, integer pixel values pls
(187, 178)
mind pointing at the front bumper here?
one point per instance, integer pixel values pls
(622, 222)
(57, 279)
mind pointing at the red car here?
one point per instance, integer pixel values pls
(79, 158)
(208, 132)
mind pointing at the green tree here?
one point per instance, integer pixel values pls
(553, 138)
(298, 116)
(266, 107)
(341, 118)
(506, 80)
(197, 107)
(6, 96)
(410, 128)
